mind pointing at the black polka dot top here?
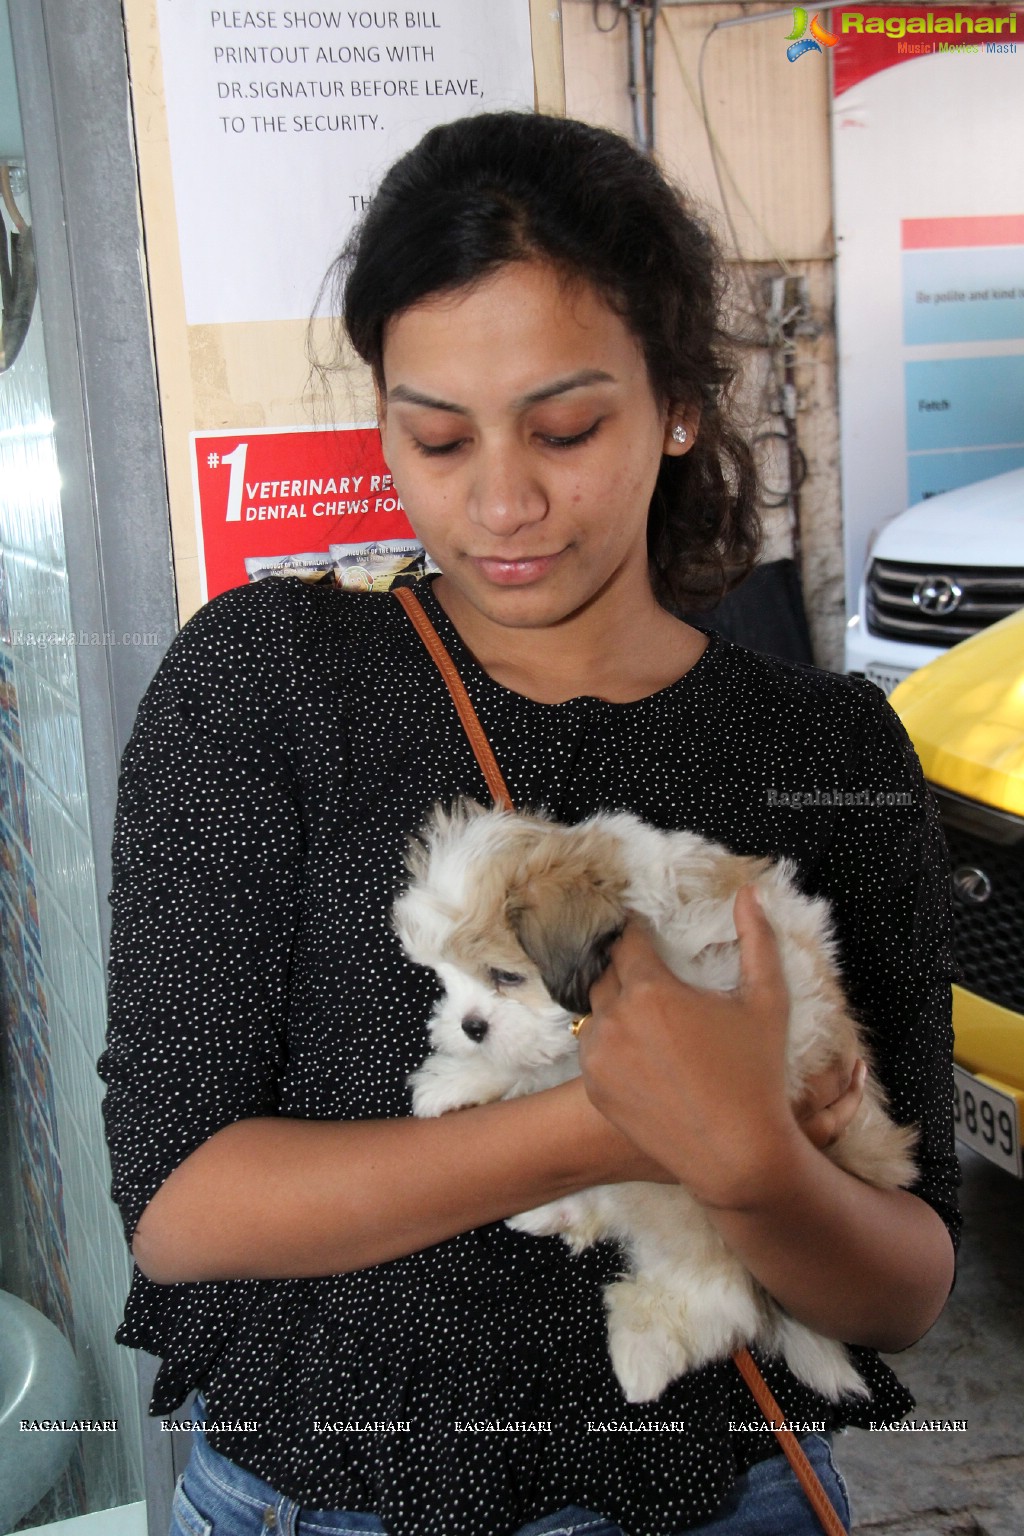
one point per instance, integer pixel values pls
(291, 741)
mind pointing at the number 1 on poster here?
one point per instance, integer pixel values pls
(236, 458)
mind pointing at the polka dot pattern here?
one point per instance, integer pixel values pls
(292, 739)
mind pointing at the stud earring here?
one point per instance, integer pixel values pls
(679, 434)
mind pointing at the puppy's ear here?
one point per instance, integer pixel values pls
(440, 833)
(566, 915)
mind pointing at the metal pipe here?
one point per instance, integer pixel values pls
(650, 37)
(634, 24)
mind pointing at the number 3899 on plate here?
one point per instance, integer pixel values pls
(986, 1120)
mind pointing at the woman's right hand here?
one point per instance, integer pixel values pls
(609, 1148)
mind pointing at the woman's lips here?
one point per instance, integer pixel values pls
(510, 573)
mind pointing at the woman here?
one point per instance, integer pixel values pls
(540, 313)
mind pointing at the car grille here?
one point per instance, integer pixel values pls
(987, 593)
(986, 851)
(886, 678)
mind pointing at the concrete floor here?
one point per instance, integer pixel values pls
(970, 1366)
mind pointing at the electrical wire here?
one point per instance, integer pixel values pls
(777, 343)
(716, 167)
(773, 499)
(596, 11)
(8, 196)
(716, 150)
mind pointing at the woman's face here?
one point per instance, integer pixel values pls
(520, 427)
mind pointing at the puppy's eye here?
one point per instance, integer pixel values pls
(505, 978)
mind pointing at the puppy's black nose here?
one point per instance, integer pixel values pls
(475, 1028)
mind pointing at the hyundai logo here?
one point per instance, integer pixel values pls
(971, 886)
(937, 595)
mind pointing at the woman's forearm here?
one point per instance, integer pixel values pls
(275, 1197)
(869, 1266)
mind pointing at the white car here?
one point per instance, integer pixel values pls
(937, 574)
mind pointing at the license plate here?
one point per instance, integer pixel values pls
(986, 1120)
(886, 678)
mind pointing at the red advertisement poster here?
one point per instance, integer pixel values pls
(264, 495)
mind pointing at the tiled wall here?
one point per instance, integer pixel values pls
(70, 1254)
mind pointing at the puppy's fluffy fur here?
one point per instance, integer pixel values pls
(516, 915)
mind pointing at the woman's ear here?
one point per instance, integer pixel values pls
(681, 426)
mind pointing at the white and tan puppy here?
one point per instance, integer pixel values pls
(516, 914)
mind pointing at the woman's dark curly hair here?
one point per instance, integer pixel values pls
(510, 186)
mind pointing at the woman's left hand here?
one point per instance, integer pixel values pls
(830, 1101)
(696, 1078)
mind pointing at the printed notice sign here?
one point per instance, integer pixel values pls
(282, 121)
(963, 279)
(287, 498)
(963, 305)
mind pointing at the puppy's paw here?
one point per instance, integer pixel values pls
(575, 1219)
(432, 1096)
(645, 1362)
(646, 1352)
(442, 1084)
(822, 1363)
(551, 1220)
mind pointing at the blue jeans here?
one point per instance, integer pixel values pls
(214, 1497)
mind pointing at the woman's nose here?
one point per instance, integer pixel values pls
(506, 493)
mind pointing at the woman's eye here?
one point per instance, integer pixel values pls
(505, 978)
(437, 450)
(554, 441)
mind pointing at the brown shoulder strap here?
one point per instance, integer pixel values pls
(806, 1475)
(744, 1361)
(467, 714)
